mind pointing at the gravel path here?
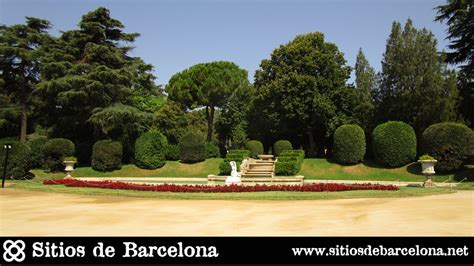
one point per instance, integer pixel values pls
(29, 213)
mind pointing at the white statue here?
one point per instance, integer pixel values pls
(234, 177)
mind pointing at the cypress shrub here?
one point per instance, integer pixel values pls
(394, 143)
(349, 144)
(106, 155)
(192, 148)
(150, 150)
(255, 147)
(54, 151)
(281, 145)
(452, 144)
(19, 160)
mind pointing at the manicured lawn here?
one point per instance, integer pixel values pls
(324, 169)
(171, 169)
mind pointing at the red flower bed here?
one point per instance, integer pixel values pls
(222, 188)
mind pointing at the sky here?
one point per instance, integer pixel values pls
(176, 34)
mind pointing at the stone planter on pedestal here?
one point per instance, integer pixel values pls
(69, 168)
(427, 169)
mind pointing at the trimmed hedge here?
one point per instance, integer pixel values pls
(192, 148)
(394, 144)
(150, 150)
(19, 160)
(233, 155)
(54, 152)
(172, 152)
(255, 147)
(289, 162)
(280, 146)
(349, 144)
(106, 155)
(212, 150)
(36, 154)
(452, 144)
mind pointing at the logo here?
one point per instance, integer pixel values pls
(14, 251)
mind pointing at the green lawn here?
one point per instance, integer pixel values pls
(324, 169)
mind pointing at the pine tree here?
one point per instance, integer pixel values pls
(365, 84)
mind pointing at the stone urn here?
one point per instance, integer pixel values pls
(69, 168)
(427, 169)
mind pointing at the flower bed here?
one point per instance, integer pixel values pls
(222, 188)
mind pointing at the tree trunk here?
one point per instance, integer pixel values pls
(312, 144)
(210, 122)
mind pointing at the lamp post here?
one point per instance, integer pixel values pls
(7, 147)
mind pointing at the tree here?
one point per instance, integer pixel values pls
(365, 84)
(416, 86)
(459, 16)
(171, 120)
(87, 70)
(301, 90)
(206, 85)
(19, 64)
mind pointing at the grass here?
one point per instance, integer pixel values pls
(36, 185)
(324, 169)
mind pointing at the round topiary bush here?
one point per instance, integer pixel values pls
(192, 148)
(36, 147)
(394, 143)
(452, 144)
(54, 151)
(349, 144)
(255, 147)
(150, 150)
(19, 160)
(172, 152)
(280, 146)
(106, 155)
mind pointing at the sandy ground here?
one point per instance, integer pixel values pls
(39, 213)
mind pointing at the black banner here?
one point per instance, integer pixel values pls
(236, 250)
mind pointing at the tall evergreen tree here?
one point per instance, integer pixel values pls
(89, 72)
(365, 84)
(416, 86)
(19, 67)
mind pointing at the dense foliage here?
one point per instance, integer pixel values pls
(289, 162)
(19, 162)
(36, 155)
(233, 155)
(452, 144)
(255, 147)
(349, 144)
(54, 152)
(192, 148)
(172, 152)
(150, 150)
(394, 143)
(107, 155)
(280, 146)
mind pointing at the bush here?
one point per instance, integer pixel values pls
(255, 147)
(349, 144)
(36, 154)
(192, 148)
(233, 155)
(172, 152)
(289, 162)
(394, 143)
(280, 146)
(107, 155)
(19, 160)
(54, 152)
(452, 144)
(150, 150)
(212, 150)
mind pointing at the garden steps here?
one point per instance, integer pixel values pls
(257, 168)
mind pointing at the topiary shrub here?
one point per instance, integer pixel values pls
(19, 160)
(394, 143)
(36, 154)
(255, 147)
(150, 150)
(349, 144)
(172, 152)
(233, 155)
(280, 146)
(192, 148)
(106, 155)
(212, 150)
(289, 162)
(452, 144)
(54, 152)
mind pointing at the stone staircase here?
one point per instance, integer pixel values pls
(257, 168)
